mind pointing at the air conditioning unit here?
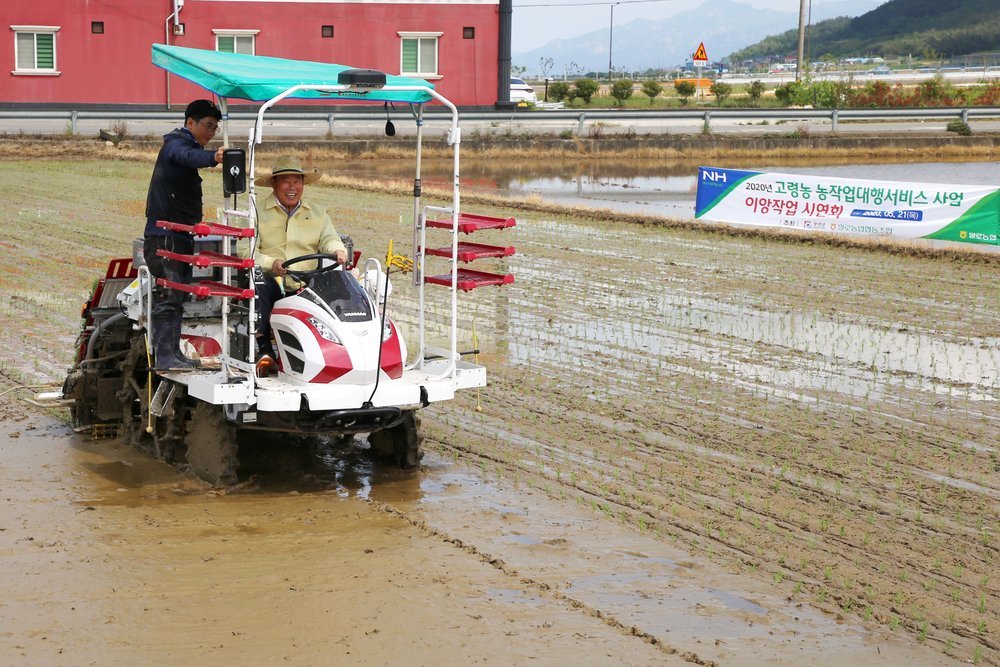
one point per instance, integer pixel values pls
(178, 29)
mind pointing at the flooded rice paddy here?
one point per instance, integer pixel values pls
(695, 447)
(654, 187)
(824, 419)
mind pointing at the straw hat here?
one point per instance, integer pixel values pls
(287, 164)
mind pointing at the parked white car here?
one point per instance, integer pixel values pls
(521, 91)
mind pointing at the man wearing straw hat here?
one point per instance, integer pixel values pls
(287, 226)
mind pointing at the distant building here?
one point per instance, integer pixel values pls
(91, 54)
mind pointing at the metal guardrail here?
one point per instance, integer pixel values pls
(751, 115)
(529, 116)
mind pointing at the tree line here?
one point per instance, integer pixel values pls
(899, 28)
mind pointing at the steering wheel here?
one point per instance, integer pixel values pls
(304, 276)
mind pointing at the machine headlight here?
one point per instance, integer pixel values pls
(323, 330)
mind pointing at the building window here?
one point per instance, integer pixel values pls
(97, 27)
(236, 41)
(419, 53)
(328, 31)
(35, 49)
(468, 33)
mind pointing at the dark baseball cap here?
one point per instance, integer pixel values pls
(202, 109)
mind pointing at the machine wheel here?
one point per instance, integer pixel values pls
(134, 397)
(80, 410)
(88, 379)
(399, 444)
(211, 445)
(169, 429)
(162, 437)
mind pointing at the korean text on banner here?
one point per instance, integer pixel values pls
(967, 214)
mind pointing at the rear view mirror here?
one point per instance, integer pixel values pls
(234, 171)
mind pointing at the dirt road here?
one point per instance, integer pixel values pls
(695, 447)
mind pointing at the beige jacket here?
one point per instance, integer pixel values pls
(280, 236)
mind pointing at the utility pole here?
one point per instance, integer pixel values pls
(800, 65)
(611, 38)
(503, 55)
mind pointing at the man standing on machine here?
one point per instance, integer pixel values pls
(175, 195)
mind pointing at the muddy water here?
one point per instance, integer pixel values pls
(109, 557)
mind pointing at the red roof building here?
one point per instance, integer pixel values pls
(96, 53)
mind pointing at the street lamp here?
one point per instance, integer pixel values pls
(611, 38)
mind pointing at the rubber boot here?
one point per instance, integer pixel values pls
(165, 345)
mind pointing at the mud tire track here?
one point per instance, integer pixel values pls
(541, 587)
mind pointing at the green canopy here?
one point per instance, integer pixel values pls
(260, 78)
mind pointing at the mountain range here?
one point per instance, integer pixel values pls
(724, 26)
(899, 28)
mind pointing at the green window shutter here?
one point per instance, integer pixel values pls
(409, 57)
(227, 43)
(46, 51)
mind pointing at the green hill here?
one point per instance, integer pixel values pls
(921, 28)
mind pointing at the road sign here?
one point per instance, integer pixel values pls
(701, 55)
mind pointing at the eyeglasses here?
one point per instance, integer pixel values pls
(211, 127)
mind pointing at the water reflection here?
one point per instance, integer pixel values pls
(619, 332)
(793, 354)
(279, 463)
(667, 599)
(664, 187)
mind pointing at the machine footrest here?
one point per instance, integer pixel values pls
(469, 279)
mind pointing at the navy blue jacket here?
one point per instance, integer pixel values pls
(175, 188)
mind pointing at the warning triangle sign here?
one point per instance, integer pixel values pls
(701, 53)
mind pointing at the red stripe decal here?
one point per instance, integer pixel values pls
(205, 346)
(392, 361)
(335, 358)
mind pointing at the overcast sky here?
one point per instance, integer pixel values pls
(536, 26)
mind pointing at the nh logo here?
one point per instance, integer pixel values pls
(715, 176)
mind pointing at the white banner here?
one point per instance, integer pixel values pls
(968, 214)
